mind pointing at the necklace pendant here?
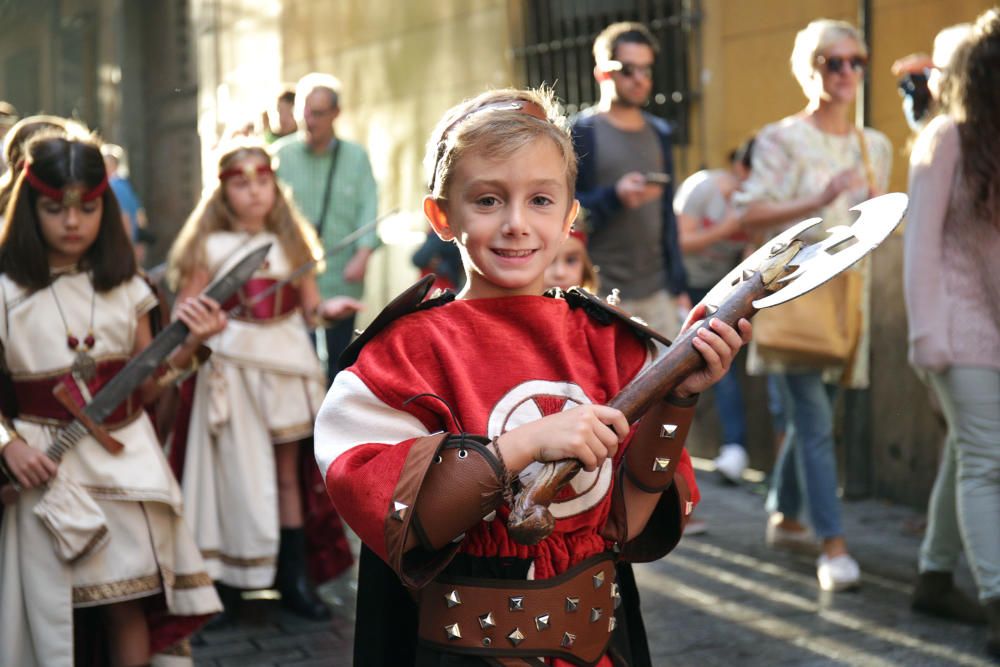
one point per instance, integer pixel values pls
(84, 367)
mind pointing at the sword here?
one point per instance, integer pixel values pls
(344, 243)
(781, 270)
(143, 364)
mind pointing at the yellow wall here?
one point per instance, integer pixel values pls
(402, 64)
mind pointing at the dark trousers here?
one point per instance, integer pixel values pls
(338, 337)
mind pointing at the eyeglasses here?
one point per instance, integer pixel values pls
(630, 69)
(835, 64)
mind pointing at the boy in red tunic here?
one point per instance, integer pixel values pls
(448, 409)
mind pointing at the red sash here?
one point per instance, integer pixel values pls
(274, 306)
(35, 402)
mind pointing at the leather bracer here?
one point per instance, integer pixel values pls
(463, 485)
(449, 484)
(655, 449)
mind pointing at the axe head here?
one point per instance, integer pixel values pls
(818, 262)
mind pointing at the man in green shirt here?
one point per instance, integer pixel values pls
(332, 184)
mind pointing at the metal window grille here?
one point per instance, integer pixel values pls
(558, 36)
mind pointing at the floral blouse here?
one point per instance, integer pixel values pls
(792, 158)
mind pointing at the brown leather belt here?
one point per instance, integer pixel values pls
(570, 616)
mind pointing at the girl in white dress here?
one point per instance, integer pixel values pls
(242, 474)
(98, 529)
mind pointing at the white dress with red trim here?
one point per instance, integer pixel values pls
(141, 547)
(263, 385)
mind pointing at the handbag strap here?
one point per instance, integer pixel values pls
(326, 191)
(867, 161)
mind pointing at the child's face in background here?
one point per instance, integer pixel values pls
(566, 270)
(250, 194)
(509, 217)
(68, 231)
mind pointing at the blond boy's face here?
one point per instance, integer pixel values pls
(509, 218)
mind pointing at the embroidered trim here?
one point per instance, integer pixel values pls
(291, 433)
(60, 423)
(92, 542)
(237, 561)
(186, 581)
(117, 590)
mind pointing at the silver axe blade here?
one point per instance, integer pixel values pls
(818, 262)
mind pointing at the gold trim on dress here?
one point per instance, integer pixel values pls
(196, 580)
(62, 423)
(91, 543)
(238, 561)
(280, 436)
(146, 305)
(114, 591)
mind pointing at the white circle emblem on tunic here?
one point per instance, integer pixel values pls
(533, 400)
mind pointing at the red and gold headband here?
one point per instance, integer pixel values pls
(523, 106)
(579, 235)
(69, 196)
(248, 170)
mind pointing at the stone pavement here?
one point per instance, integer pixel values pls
(721, 598)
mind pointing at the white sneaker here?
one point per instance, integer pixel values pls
(731, 462)
(838, 573)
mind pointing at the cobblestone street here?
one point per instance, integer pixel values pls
(722, 598)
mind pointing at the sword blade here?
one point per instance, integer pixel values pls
(345, 242)
(143, 364)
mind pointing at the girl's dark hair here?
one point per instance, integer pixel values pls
(59, 161)
(975, 102)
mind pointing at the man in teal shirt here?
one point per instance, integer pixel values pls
(332, 184)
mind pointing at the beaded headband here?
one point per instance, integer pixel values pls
(523, 106)
(248, 170)
(69, 196)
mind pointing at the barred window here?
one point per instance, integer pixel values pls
(558, 35)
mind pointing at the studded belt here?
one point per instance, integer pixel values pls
(570, 616)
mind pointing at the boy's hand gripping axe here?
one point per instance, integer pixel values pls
(784, 268)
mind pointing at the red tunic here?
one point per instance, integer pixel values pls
(497, 363)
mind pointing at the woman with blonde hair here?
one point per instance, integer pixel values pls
(815, 163)
(952, 290)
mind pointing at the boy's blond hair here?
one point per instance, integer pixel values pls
(213, 213)
(496, 133)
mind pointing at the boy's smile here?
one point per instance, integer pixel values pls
(509, 216)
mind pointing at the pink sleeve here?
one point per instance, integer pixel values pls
(932, 170)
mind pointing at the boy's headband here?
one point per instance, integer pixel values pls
(523, 106)
(248, 170)
(69, 196)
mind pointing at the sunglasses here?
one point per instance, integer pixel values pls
(630, 69)
(835, 64)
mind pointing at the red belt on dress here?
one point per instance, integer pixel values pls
(35, 402)
(570, 616)
(277, 305)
